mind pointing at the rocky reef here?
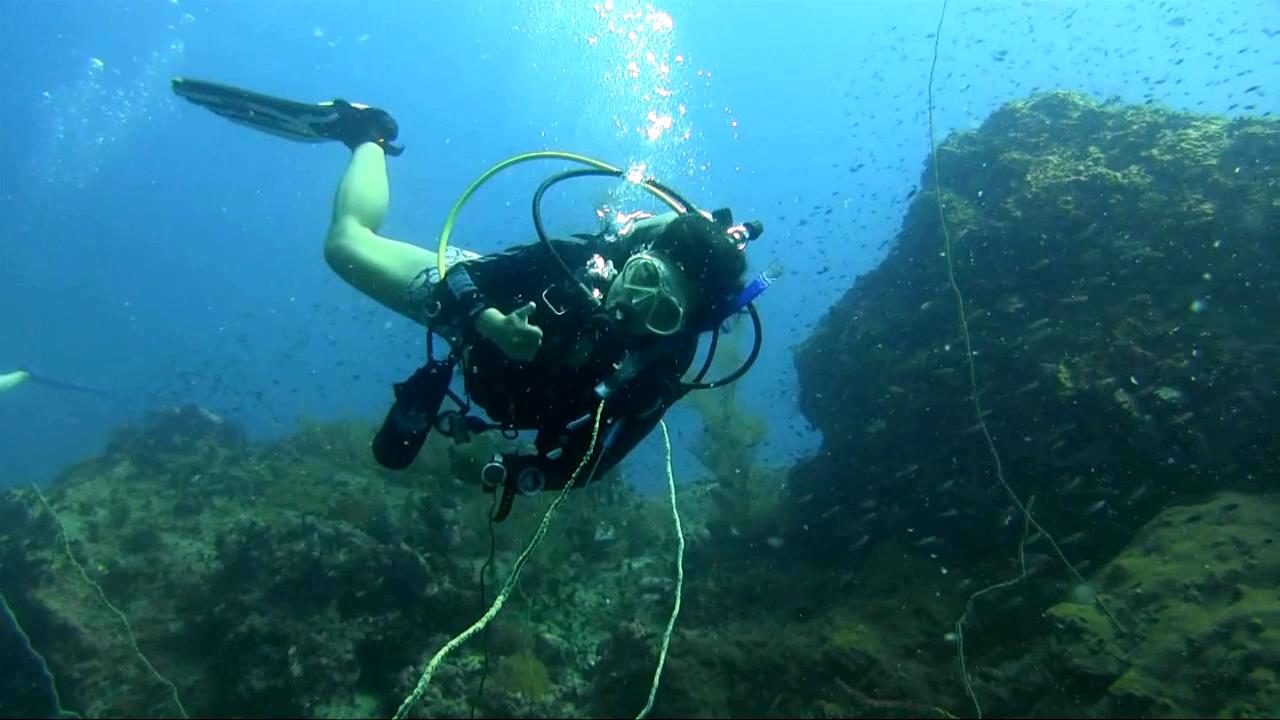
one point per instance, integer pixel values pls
(1120, 280)
(1118, 267)
(297, 579)
(1200, 587)
(1118, 270)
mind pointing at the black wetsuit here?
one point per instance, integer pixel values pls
(555, 392)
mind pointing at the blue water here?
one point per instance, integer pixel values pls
(156, 250)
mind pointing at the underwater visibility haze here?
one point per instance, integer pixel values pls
(624, 359)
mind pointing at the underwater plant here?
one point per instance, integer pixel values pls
(743, 494)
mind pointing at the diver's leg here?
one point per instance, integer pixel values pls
(379, 267)
(8, 381)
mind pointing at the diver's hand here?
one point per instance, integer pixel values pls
(512, 333)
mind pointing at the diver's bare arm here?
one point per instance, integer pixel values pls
(379, 267)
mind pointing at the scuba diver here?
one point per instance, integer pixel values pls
(544, 332)
(11, 380)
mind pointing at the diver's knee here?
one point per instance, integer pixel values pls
(339, 248)
(345, 234)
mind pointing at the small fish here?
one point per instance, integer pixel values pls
(1072, 539)
(1094, 508)
(1038, 336)
(1037, 563)
(908, 470)
(928, 541)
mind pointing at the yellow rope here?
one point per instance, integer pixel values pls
(1025, 509)
(675, 609)
(66, 543)
(501, 599)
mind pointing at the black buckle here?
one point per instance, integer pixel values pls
(459, 426)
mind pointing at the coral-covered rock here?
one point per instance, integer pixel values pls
(1198, 595)
(1119, 273)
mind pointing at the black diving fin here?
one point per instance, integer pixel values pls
(348, 123)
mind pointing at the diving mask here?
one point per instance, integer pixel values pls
(650, 291)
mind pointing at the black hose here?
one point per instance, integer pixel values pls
(537, 213)
(742, 370)
(538, 226)
(711, 353)
(488, 564)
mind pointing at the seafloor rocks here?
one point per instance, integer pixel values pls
(1120, 271)
(1198, 592)
(296, 579)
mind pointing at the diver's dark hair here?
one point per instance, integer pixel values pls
(710, 259)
